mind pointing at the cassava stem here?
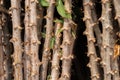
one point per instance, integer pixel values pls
(68, 42)
(90, 23)
(106, 48)
(16, 39)
(56, 53)
(27, 57)
(2, 72)
(49, 31)
(34, 42)
(117, 10)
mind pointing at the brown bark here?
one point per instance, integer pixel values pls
(2, 72)
(117, 10)
(39, 20)
(56, 53)
(34, 42)
(106, 48)
(115, 70)
(27, 57)
(49, 30)
(67, 45)
(5, 43)
(96, 28)
(16, 39)
(7, 48)
(90, 24)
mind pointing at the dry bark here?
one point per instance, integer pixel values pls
(96, 26)
(5, 42)
(68, 42)
(117, 10)
(34, 42)
(39, 20)
(90, 24)
(106, 48)
(7, 48)
(49, 30)
(27, 57)
(115, 70)
(56, 53)
(16, 39)
(2, 72)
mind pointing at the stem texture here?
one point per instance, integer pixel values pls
(16, 39)
(49, 31)
(106, 48)
(68, 42)
(56, 53)
(90, 24)
(34, 42)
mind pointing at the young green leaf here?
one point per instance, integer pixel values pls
(58, 20)
(69, 15)
(43, 35)
(59, 31)
(48, 77)
(44, 3)
(61, 10)
(73, 34)
(52, 42)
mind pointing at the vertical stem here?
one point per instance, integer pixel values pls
(16, 40)
(2, 72)
(96, 28)
(115, 70)
(39, 20)
(34, 44)
(6, 44)
(67, 45)
(117, 10)
(56, 53)
(49, 31)
(7, 48)
(27, 57)
(106, 48)
(90, 24)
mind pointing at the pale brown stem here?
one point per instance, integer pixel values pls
(90, 24)
(96, 28)
(7, 48)
(49, 31)
(16, 40)
(27, 54)
(39, 19)
(56, 53)
(2, 72)
(106, 48)
(67, 45)
(115, 70)
(6, 44)
(34, 44)
(115, 64)
(117, 10)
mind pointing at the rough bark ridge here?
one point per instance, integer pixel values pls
(49, 30)
(106, 48)
(16, 39)
(27, 57)
(67, 44)
(34, 44)
(90, 24)
(117, 9)
(2, 72)
(56, 53)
